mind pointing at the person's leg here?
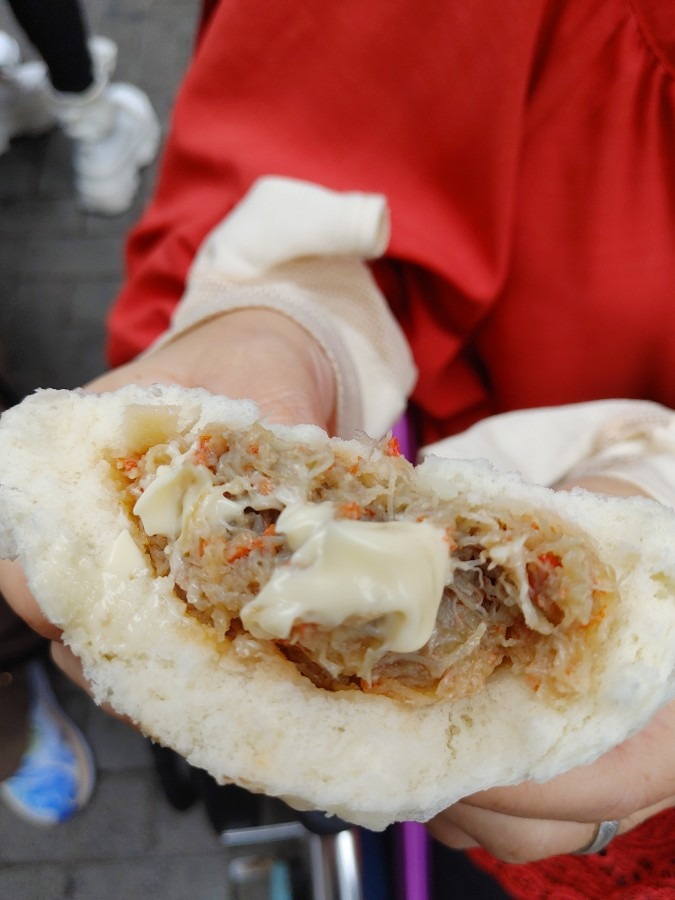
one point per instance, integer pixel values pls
(17, 642)
(113, 127)
(46, 767)
(25, 105)
(14, 709)
(57, 30)
(54, 775)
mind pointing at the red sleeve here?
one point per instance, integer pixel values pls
(420, 101)
(637, 865)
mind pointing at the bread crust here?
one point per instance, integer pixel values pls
(365, 757)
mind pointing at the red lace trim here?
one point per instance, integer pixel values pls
(640, 864)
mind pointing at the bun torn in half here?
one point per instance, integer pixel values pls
(318, 619)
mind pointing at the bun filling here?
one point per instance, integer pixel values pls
(360, 580)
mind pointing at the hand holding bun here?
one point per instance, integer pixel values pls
(190, 540)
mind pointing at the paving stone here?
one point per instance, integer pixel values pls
(56, 340)
(94, 14)
(56, 175)
(117, 824)
(117, 746)
(22, 217)
(79, 705)
(21, 168)
(34, 883)
(63, 259)
(90, 302)
(183, 832)
(106, 226)
(177, 878)
(166, 50)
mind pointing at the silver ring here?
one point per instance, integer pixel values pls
(604, 835)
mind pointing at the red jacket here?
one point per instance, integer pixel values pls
(527, 148)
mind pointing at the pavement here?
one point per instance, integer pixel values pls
(59, 271)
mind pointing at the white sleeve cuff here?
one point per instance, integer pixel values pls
(299, 249)
(631, 440)
(281, 219)
(638, 448)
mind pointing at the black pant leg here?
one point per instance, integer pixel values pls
(56, 28)
(17, 644)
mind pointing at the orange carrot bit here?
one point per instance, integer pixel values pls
(202, 546)
(239, 553)
(550, 559)
(127, 465)
(244, 550)
(597, 617)
(349, 510)
(253, 449)
(533, 681)
(448, 536)
(303, 630)
(265, 487)
(393, 447)
(270, 531)
(203, 452)
(354, 469)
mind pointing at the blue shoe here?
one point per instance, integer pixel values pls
(56, 774)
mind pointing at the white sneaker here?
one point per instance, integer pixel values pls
(103, 53)
(115, 133)
(25, 104)
(107, 167)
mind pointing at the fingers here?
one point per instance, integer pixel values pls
(258, 355)
(532, 821)
(134, 373)
(444, 830)
(509, 838)
(517, 839)
(633, 776)
(603, 484)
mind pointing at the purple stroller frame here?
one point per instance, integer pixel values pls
(412, 837)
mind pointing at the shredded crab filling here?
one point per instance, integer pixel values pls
(523, 594)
